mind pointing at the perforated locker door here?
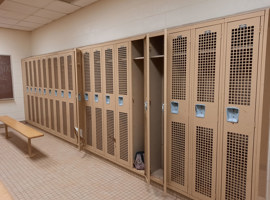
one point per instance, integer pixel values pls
(205, 111)
(109, 101)
(178, 104)
(240, 98)
(122, 102)
(88, 96)
(97, 98)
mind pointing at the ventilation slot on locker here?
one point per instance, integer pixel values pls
(30, 72)
(179, 63)
(109, 71)
(89, 125)
(87, 81)
(55, 66)
(33, 109)
(123, 133)
(122, 70)
(26, 74)
(70, 77)
(44, 73)
(236, 166)
(110, 132)
(29, 109)
(35, 73)
(204, 161)
(178, 151)
(97, 71)
(47, 113)
(62, 68)
(64, 110)
(39, 74)
(50, 72)
(37, 110)
(99, 144)
(52, 114)
(57, 115)
(241, 65)
(206, 67)
(71, 114)
(41, 112)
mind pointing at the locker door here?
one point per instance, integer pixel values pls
(239, 110)
(87, 72)
(178, 104)
(98, 101)
(205, 111)
(109, 102)
(122, 102)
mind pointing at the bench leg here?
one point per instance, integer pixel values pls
(6, 129)
(29, 148)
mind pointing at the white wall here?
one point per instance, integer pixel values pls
(108, 20)
(17, 45)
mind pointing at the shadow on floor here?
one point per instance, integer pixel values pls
(22, 145)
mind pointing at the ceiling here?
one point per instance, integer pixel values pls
(31, 14)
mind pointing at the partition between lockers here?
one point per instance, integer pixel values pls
(49, 89)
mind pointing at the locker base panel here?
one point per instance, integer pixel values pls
(72, 141)
(101, 155)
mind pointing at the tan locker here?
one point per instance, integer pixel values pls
(178, 109)
(205, 107)
(123, 101)
(109, 101)
(239, 107)
(97, 98)
(88, 94)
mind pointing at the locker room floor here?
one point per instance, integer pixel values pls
(59, 171)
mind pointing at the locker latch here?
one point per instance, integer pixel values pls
(31, 89)
(86, 97)
(39, 90)
(108, 99)
(200, 110)
(162, 107)
(174, 107)
(96, 98)
(69, 95)
(44, 91)
(79, 97)
(145, 105)
(55, 93)
(27, 89)
(232, 114)
(50, 91)
(120, 101)
(62, 93)
(35, 90)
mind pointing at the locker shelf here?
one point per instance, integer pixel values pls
(138, 58)
(158, 56)
(158, 174)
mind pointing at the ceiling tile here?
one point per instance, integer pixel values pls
(49, 14)
(28, 24)
(8, 21)
(17, 7)
(38, 20)
(83, 3)
(34, 3)
(62, 7)
(11, 14)
(22, 28)
(2, 25)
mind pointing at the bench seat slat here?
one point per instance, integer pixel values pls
(20, 127)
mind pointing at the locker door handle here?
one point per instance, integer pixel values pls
(145, 105)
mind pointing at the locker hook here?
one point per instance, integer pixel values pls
(145, 105)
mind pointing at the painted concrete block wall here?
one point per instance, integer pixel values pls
(108, 20)
(16, 44)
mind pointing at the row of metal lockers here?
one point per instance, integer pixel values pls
(192, 98)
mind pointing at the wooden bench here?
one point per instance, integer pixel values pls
(26, 131)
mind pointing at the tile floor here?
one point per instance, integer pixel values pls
(60, 172)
